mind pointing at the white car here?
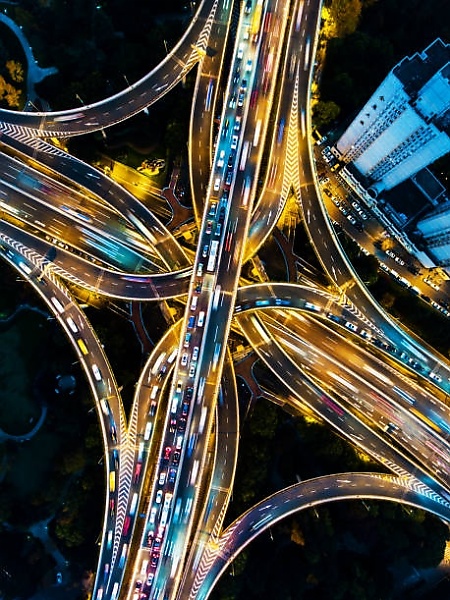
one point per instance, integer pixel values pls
(184, 359)
(248, 66)
(351, 326)
(240, 52)
(96, 372)
(234, 143)
(221, 159)
(217, 184)
(159, 495)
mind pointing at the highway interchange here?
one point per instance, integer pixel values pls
(171, 461)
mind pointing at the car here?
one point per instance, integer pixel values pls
(221, 159)
(59, 578)
(154, 561)
(198, 287)
(96, 371)
(243, 85)
(248, 66)
(237, 123)
(436, 377)
(167, 452)
(187, 339)
(195, 353)
(185, 409)
(248, 7)
(172, 475)
(176, 457)
(172, 425)
(355, 204)
(230, 164)
(352, 219)
(159, 495)
(240, 102)
(236, 76)
(335, 201)
(205, 250)
(192, 370)
(162, 478)
(234, 142)
(240, 52)
(390, 253)
(184, 359)
(351, 326)
(218, 229)
(233, 100)
(208, 226)
(180, 384)
(200, 270)
(191, 322)
(226, 126)
(399, 260)
(153, 515)
(229, 178)
(150, 579)
(343, 210)
(217, 184)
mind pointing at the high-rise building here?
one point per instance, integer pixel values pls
(405, 125)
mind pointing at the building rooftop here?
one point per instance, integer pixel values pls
(414, 71)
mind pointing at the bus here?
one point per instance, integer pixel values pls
(25, 268)
(244, 156)
(82, 346)
(148, 430)
(115, 590)
(212, 256)
(105, 406)
(112, 481)
(123, 556)
(280, 131)
(256, 22)
(165, 510)
(133, 505)
(126, 525)
(257, 133)
(57, 304)
(209, 94)
(71, 324)
(202, 419)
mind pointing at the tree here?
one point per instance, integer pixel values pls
(325, 112)
(345, 14)
(15, 70)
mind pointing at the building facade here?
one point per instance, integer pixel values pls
(435, 231)
(405, 125)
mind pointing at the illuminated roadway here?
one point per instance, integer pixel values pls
(174, 462)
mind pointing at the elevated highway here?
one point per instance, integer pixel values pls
(170, 468)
